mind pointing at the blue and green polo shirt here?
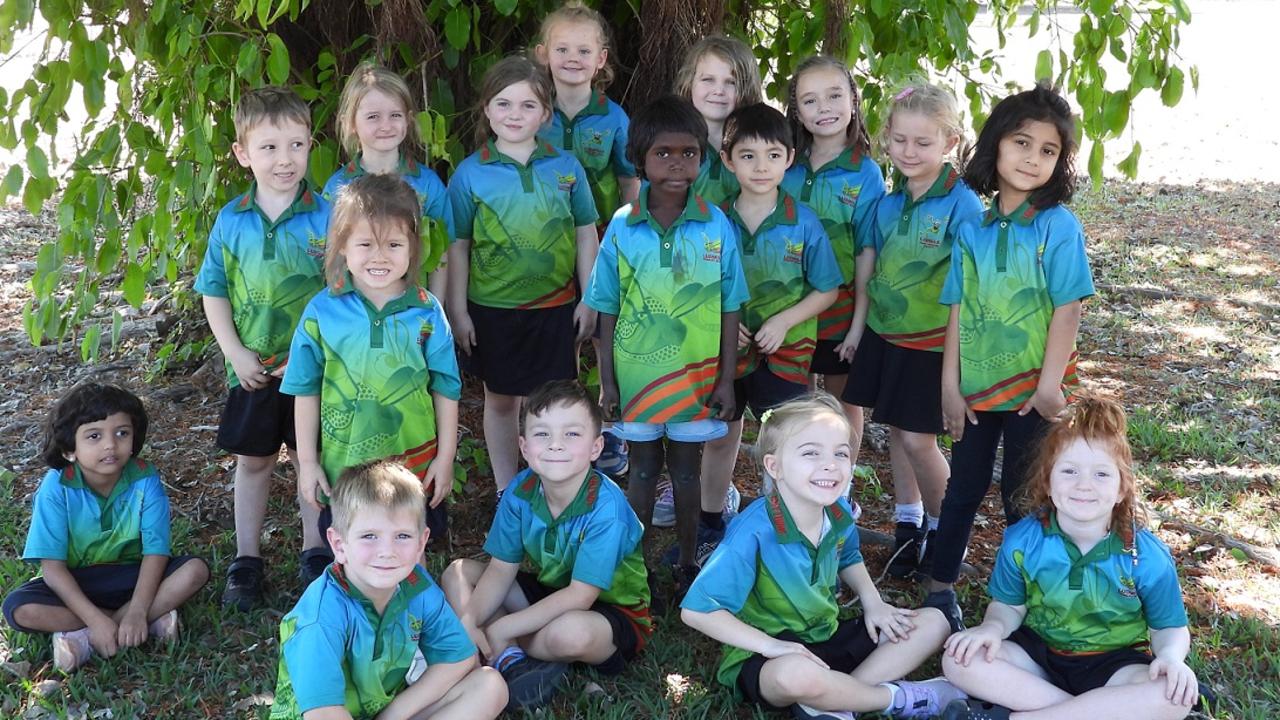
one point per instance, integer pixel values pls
(912, 240)
(521, 220)
(335, 649)
(266, 270)
(668, 289)
(374, 371)
(595, 540)
(715, 183)
(785, 259)
(1091, 602)
(843, 193)
(597, 136)
(1008, 273)
(768, 574)
(71, 522)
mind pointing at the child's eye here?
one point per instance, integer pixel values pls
(808, 101)
(397, 115)
(842, 454)
(124, 432)
(403, 536)
(299, 145)
(691, 153)
(1050, 152)
(93, 436)
(369, 536)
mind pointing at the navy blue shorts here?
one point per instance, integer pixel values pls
(256, 423)
(1077, 674)
(109, 587)
(826, 361)
(762, 390)
(844, 651)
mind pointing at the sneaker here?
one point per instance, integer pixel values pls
(804, 712)
(973, 709)
(71, 649)
(165, 628)
(945, 600)
(244, 583)
(311, 565)
(664, 508)
(708, 540)
(907, 538)
(683, 577)
(925, 562)
(613, 458)
(925, 699)
(532, 682)
(732, 501)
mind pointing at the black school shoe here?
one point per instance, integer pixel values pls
(532, 682)
(973, 709)
(244, 584)
(945, 600)
(908, 541)
(311, 565)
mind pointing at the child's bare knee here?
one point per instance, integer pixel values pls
(568, 639)
(30, 614)
(794, 677)
(461, 573)
(254, 464)
(490, 689)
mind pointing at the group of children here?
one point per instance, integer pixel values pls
(743, 252)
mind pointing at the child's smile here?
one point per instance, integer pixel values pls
(823, 102)
(1084, 484)
(378, 263)
(102, 449)
(814, 464)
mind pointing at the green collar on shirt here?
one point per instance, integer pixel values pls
(581, 504)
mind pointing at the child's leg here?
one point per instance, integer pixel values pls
(646, 466)
(480, 695)
(972, 461)
(34, 617)
(790, 679)
(252, 488)
(894, 661)
(576, 636)
(501, 428)
(684, 462)
(1012, 679)
(928, 467)
(1020, 435)
(719, 458)
(834, 384)
(176, 589)
(310, 516)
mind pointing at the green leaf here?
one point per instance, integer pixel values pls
(37, 162)
(1129, 165)
(1044, 65)
(12, 184)
(1115, 112)
(457, 27)
(1239, 555)
(91, 342)
(135, 284)
(506, 7)
(248, 62)
(277, 60)
(1095, 162)
(1171, 93)
(117, 325)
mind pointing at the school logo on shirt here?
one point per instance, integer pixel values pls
(931, 231)
(794, 251)
(424, 332)
(1040, 256)
(849, 194)
(415, 628)
(712, 248)
(595, 143)
(566, 182)
(315, 246)
(1128, 588)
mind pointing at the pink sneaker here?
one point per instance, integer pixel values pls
(165, 628)
(71, 649)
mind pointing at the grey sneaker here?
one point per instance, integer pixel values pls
(664, 509)
(804, 712)
(925, 699)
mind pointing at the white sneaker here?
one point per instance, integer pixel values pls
(71, 649)
(664, 508)
(732, 501)
(165, 628)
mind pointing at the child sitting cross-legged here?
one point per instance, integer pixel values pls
(587, 599)
(768, 592)
(348, 647)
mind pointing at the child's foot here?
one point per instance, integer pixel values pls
(683, 576)
(244, 583)
(664, 508)
(973, 709)
(804, 712)
(311, 565)
(71, 649)
(945, 600)
(613, 458)
(708, 540)
(532, 682)
(907, 539)
(924, 699)
(165, 628)
(732, 501)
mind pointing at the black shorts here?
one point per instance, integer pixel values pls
(437, 523)
(762, 390)
(629, 637)
(843, 652)
(256, 422)
(1077, 674)
(109, 587)
(518, 350)
(903, 385)
(826, 361)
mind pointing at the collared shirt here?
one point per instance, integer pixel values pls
(768, 574)
(266, 270)
(715, 182)
(668, 289)
(1008, 273)
(1101, 600)
(71, 522)
(521, 220)
(912, 240)
(785, 259)
(595, 540)
(424, 181)
(336, 649)
(843, 193)
(375, 371)
(597, 136)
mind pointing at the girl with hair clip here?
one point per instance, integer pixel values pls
(1086, 616)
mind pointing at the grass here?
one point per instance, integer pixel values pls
(1182, 330)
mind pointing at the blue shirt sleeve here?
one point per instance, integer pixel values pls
(1157, 581)
(864, 214)
(581, 203)
(442, 363)
(313, 656)
(953, 287)
(968, 207)
(212, 278)
(821, 270)
(332, 186)
(1007, 584)
(622, 167)
(1066, 266)
(462, 206)
(851, 548)
(505, 541)
(443, 639)
(885, 213)
(602, 288)
(733, 280)
(728, 576)
(155, 517)
(49, 532)
(305, 372)
(607, 541)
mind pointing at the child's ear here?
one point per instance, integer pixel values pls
(242, 154)
(728, 161)
(604, 58)
(951, 143)
(540, 54)
(339, 546)
(597, 447)
(770, 463)
(791, 157)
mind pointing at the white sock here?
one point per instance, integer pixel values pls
(933, 522)
(909, 512)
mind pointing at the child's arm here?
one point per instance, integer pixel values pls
(438, 680)
(132, 630)
(774, 330)
(1001, 620)
(490, 591)
(864, 265)
(248, 367)
(459, 275)
(954, 408)
(722, 394)
(879, 616)
(588, 242)
(609, 398)
(102, 629)
(439, 479)
(306, 423)
(1063, 327)
(577, 595)
(725, 627)
(1170, 646)
(628, 190)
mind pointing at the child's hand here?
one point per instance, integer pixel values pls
(965, 645)
(464, 331)
(584, 319)
(497, 638)
(249, 369)
(1180, 687)
(771, 334)
(311, 478)
(744, 337)
(1049, 403)
(894, 622)
(609, 401)
(722, 397)
(102, 636)
(132, 630)
(849, 345)
(438, 482)
(955, 412)
(777, 648)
